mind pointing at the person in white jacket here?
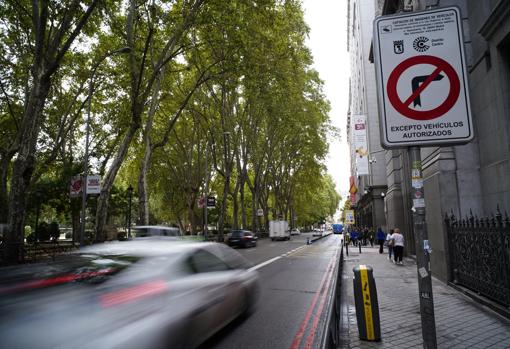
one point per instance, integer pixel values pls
(389, 244)
(398, 245)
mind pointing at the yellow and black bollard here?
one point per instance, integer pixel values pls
(367, 308)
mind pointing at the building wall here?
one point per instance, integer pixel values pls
(472, 178)
(363, 100)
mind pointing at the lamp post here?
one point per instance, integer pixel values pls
(87, 140)
(130, 194)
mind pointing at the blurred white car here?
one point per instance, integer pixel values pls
(295, 231)
(317, 232)
(144, 293)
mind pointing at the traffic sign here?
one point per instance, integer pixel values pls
(211, 201)
(422, 79)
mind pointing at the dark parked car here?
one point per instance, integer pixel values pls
(242, 238)
(144, 293)
(154, 230)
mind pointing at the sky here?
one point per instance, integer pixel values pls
(328, 43)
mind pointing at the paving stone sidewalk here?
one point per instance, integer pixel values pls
(460, 321)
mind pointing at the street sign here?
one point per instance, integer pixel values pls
(75, 187)
(422, 79)
(349, 217)
(211, 201)
(260, 212)
(93, 184)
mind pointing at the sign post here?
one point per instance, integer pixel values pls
(423, 101)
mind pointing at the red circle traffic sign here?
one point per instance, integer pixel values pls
(403, 106)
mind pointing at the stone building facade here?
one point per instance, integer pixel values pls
(371, 186)
(472, 178)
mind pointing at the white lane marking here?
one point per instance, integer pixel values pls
(263, 264)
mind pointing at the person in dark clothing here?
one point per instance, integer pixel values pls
(380, 237)
(354, 236)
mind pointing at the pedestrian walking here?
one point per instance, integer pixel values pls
(364, 235)
(354, 237)
(380, 237)
(389, 243)
(398, 246)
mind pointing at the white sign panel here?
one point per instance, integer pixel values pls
(359, 139)
(422, 79)
(93, 184)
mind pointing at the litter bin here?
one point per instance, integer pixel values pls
(367, 308)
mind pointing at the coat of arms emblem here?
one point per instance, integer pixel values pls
(398, 46)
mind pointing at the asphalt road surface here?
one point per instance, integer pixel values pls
(295, 282)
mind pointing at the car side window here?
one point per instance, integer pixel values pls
(205, 262)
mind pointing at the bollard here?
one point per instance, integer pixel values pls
(308, 241)
(367, 308)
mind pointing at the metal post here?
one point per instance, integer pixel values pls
(428, 325)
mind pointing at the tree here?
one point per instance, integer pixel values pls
(52, 31)
(143, 75)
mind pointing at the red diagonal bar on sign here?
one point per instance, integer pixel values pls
(423, 86)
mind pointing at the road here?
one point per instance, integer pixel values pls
(295, 280)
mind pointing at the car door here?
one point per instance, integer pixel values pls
(213, 277)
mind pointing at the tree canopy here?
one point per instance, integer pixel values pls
(181, 97)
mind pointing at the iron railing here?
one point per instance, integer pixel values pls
(331, 338)
(479, 253)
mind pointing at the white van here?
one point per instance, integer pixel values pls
(279, 230)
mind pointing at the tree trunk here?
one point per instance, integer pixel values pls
(244, 222)
(254, 221)
(106, 187)
(24, 165)
(235, 210)
(75, 219)
(4, 202)
(143, 187)
(223, 212)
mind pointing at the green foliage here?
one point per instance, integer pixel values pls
(259, 109)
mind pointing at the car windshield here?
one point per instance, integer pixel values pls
(237, 233)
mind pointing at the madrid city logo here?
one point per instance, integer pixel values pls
(420, 44)
(398, 46)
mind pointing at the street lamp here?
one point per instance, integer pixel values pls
(130, 194)
(87, 139)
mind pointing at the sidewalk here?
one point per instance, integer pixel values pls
(460, 321)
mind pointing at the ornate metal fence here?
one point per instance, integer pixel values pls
(479, 251)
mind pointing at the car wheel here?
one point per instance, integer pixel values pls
(250, 302)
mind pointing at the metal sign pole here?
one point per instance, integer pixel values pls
(428, 325)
